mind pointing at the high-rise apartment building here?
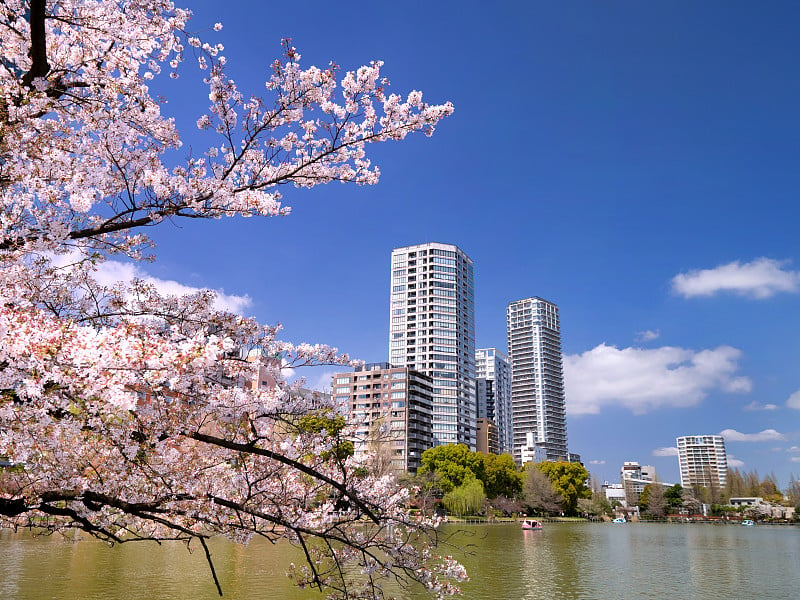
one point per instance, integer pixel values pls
(703, 461)
(493, 392)
(432, 330)
(392, 411)
(537, 379)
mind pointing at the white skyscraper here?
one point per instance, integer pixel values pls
(493, 386)
(703, 461)
(537, 380)
(433, 331)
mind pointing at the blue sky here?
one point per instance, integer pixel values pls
(634, 162)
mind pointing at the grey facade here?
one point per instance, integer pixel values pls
(432, 330)
(537, 377)
(493, 393)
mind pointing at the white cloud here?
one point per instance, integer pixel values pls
(794, 449)
(734, 462)
(597, 462)
(761, 278)
(768, 435)
(111, 272)
(758, 406)
(668, 451)
(794, 400)
(795, 459)
(648, 335)
(642, 380)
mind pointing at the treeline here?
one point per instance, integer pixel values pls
(472, 483)
(658, 500)
(742, 484)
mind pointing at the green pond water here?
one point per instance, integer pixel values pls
(564, 561)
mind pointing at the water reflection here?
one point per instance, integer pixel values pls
(561, 562)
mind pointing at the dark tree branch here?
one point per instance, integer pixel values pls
(211, 565)
(253, 449)
(38, 50)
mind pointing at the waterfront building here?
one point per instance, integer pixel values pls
(703, 461)
(634, 478)
(487, 440)
(537, 377)
(615, 492)
(493, 393)
(432, 330)
(392, 409)
(530, 451)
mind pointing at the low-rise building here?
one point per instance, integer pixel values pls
(531, 451)
(614, 492)
(392, 410)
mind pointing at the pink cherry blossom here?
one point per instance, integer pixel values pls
(134, 414)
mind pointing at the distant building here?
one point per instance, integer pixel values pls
(392, 409)
(703, 461)
(530, 451)
(634, 478)
(614, 492)
(487, 437)
(493, 392)
(432, 330)
(537, 379)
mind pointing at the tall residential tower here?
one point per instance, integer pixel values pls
(493, 387)
(537, 379)
(703, 461)
(433, 331)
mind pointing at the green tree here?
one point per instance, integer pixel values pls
(674, 497)
(501, 477)
(332, 426)
(466, 499)
(644, 499)
(454, 463)
(569, 482)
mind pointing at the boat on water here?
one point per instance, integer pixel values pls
(748, 523)
(531, 524)
(619, 520)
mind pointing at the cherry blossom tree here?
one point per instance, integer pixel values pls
(135, 415)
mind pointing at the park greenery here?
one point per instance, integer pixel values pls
(475, 483)
(659, 501)
(468, 483)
